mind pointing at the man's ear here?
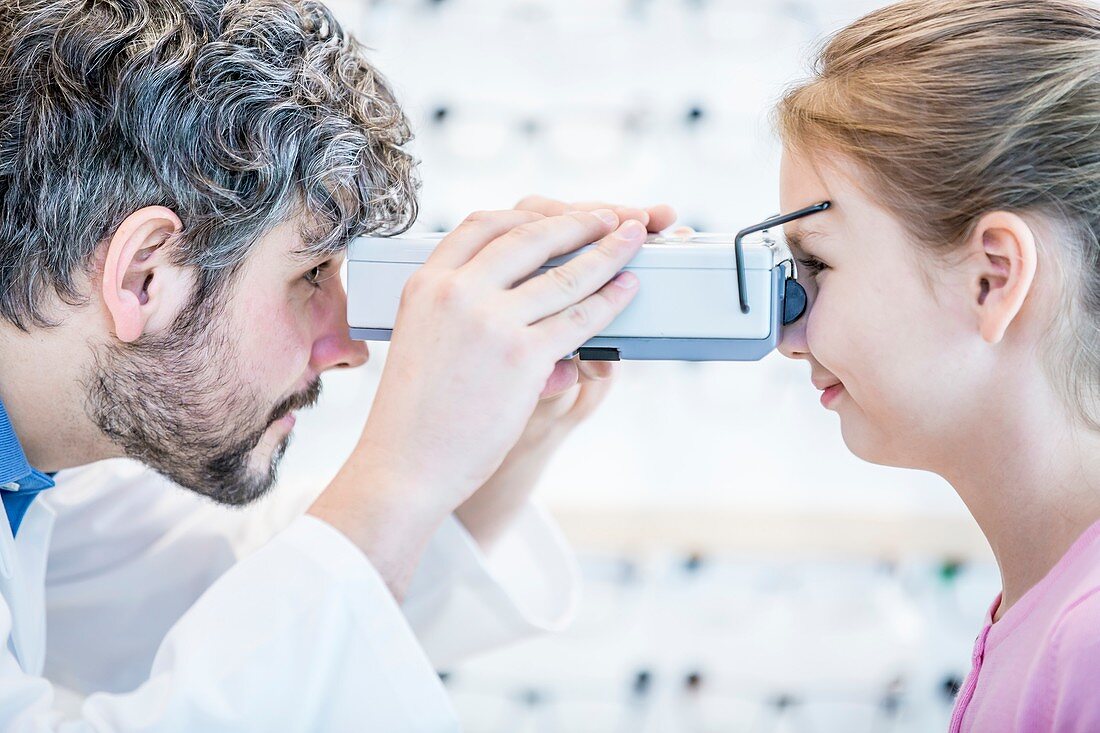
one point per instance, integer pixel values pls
(142, 289)
(1001, 271)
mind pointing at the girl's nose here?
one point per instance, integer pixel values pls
(792, 344)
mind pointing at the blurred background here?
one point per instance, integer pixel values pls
(742, 571)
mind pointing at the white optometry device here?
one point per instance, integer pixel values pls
(704, 297)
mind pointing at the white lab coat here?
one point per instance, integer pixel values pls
(166, 612)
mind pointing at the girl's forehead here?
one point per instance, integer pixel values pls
(831, 177)
(803, 180)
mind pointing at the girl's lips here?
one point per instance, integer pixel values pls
(831, 393)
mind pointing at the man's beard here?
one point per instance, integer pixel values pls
(176, 403)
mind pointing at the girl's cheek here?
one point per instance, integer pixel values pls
(816, 324)
(827, 340)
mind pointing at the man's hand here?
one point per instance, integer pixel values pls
(655, 218)
(471, 355)
(573, 392)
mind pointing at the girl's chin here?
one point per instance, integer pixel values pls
(874, 447)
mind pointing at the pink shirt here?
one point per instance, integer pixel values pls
(1038, 668)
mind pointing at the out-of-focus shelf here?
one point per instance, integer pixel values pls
(817, 535)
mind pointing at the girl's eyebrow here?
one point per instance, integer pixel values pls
(798, 239)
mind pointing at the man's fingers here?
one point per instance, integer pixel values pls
(590, 396)
(656, 218)
(661, 217)
(569, 372)
(518, 253)
(632, 212)
(682, 233)
(595, 371)
(564, 332)
(474, 233)
(561, 287)
(565, 376)
(624, 213)
(546, 206)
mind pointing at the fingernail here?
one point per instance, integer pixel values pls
(607, 216)
(626, 280)
(632, 229)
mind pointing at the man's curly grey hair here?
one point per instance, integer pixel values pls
(238, 115)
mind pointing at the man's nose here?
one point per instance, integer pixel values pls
(338, 351)
(334, 348)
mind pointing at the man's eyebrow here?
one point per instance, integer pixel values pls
(311, 246)
(304, 256)
(307, 251)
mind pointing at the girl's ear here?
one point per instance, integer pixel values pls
(1001, 270)
(142, 288)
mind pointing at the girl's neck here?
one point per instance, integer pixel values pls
(1031, 478)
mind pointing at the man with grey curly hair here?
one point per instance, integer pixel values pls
(178, 182)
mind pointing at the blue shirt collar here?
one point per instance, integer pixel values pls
(19, 482)
(13, 463)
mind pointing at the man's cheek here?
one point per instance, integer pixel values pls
(266, 347)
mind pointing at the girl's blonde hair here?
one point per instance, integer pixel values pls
(955, 108)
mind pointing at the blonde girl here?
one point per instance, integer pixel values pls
(955, 304)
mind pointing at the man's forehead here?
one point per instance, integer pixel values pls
(290, 243)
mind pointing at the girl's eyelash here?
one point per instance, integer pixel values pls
(812, 264)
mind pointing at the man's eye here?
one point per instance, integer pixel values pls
(315, 276)
(813, 265)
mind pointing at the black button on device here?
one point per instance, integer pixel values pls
(599, 353)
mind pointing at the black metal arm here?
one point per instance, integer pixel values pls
(764, 226)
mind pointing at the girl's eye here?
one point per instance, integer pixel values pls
(813, 265)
